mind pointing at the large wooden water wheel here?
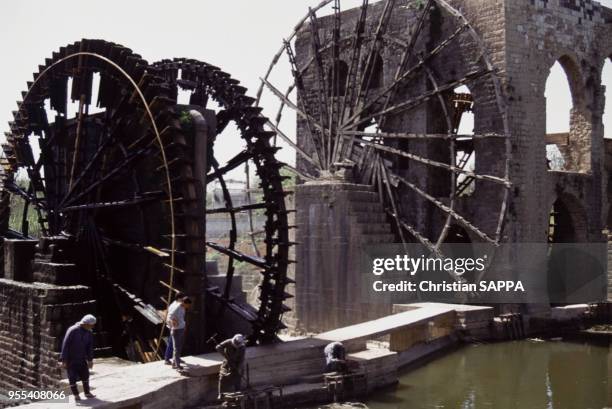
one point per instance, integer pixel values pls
(212, 89)
(380, 90)
(99, 151)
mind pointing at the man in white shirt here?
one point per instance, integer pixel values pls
(175, 321)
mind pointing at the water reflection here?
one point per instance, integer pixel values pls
(513, 375)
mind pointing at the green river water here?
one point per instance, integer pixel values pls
(510, 375)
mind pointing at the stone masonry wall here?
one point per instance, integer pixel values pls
(336, 221)
(35, 317)
(522, 39)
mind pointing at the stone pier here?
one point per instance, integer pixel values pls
(335, 221)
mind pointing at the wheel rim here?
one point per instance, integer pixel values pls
(336, 105)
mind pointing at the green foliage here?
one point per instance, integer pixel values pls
(17, 206)
(186, 121)
(288, 184)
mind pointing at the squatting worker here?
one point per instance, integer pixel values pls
(232, 370)
(335, 357)
(176, 322)
(77, 354)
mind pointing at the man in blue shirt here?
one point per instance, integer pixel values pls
(77, 354)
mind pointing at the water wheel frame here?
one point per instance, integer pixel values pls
(137, 97)
(205, 82)
(332, 125)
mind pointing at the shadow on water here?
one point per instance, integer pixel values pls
(511, 375)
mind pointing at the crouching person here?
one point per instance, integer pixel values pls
(77, 354)
(232, 370)
(335, 357)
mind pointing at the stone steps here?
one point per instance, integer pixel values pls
(358, 196)
(369, 215)
(375, 215)
(367, 207)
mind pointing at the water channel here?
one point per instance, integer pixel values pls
(530, 374)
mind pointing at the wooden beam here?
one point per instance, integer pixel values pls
(559, 139)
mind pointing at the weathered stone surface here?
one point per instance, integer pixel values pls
(31, 330)
(18, 255)
(523, 39)
(335, 221)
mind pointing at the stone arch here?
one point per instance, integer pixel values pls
(459, 244)
(606, 81)
(570, 267)
(572, 147)
(463, 122)
(568, 222)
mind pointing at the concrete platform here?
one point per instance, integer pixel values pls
(419, 330)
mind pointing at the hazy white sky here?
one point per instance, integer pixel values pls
(241, 36)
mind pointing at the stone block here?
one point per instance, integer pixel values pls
(18, 257)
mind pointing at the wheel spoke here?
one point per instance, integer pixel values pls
(299, 173)
(323, 91)
(351, 79)
(402, 135)
(235, 254)
(116, 170)
(231, 164)
(408, 53)
(381, 29)
(299, 84)
(123, 244)
(336, 92)
(408, 74)
(77, 139)
(245, 208)
(138, 200)
(462, 220)
(288, 140)
(311, 122)
(430, 162)
(232, 233)
(415, 102)
(387, 188)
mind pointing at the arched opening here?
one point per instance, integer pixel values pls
(462, 104)
(457, 245)
(373, 73)
(568, 130)
(336, 80)
(567, 221)
(606, 80)
(567, 266)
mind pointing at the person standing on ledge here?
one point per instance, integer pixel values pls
(77, 354)
(232, 369)
(176, 322)
(169, 348)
